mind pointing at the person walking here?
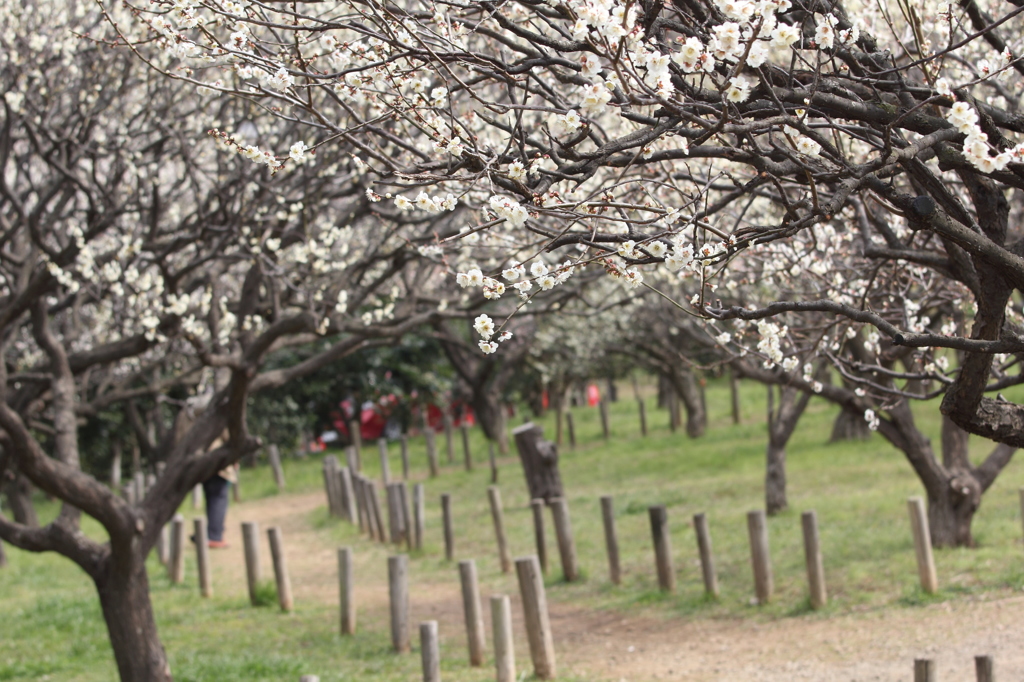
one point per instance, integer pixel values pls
(215, 490)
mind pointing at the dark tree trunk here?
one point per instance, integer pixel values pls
(123, 588)
(540, 462)
(781, 425)
(849, 425)
(18, 490)
(488, 412)
(3, 555)
(691, 393)
(734, 395)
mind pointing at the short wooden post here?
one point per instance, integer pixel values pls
(603, 406)
(139, 481)
(472, 612)
(446, 519)
(403, 508)
(202, 557)
(275, 466)
(398, 590)
(176, 566)
(197, 496)
(330, 488)
(923, 545)
(498, 516)
(493, 462)
(535, 610)
(404, 443)
(563, 533)
(812, 556)
(760, 559)
(449, 447)
(397, 516)
(707, 561)
(385, 465)
(354, 461)
(662, 547)
(924, 670)
(643, 416)
(251, 545)
(345, 591)
(504, 651)
(284, 583)
(378, 517)
(163, 544)
(356, 435)
(537, 506)
(430, 653)
(417, 516)
(431, 451)
(984, 668)
(236, 487)
(611, 539)
(348, 495)
(467, 454)
(571, 428)
(362, 513)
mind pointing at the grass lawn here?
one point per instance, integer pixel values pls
(52, 628)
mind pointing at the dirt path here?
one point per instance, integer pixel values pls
(606, 645)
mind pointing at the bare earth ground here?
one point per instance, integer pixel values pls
(607, 645)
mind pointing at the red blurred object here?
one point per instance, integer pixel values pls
(593, 395)
(544, 402)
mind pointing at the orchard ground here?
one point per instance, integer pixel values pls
(876, 623)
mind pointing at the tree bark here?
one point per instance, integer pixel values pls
(781, 425)
(123, 588)
(689, 390)
(540, 462)
(849, 425)
(18, 490)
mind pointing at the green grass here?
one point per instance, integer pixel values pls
(52, 625)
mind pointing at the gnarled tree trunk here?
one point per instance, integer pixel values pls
(18, 490)
(849, 425)
(691, 393)
(781, 425)
(123, 588)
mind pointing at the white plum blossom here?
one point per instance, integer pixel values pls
(872, 419)
(484, 326)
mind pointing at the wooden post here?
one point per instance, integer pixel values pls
(236, 487)
(356, 436)
(812, 556)
(398, 590)
(345, 591)
(707, 561)
(643, 416)
(348, 495)
(924, 670)
(361, 508)
(603, 406)
(403, 508)
(431, 451)
(449, 447)
(446, 519)
(430, 653)
(385, 465)
(537, 506)
(498, 515)
(984, 668)
(923, 545)
(540, 462)
(275, 466)
(284, 583)
(378, 517)
(535, 610)
(493, 462)
(662, 548)
(163, 547)
(355, 463)
(417, 516)
(467, 454)
(139, 481)
(672, 409)
(251, 545)
(611, 539)
(405, 457)
(563, 533)
(472, 612)
(757, 527)
(504, 652)
(176, 566)
(330, 463)
(570, 427)
(202, 557)
(197, 496)
(397, 523)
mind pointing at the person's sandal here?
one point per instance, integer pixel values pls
(217, 544)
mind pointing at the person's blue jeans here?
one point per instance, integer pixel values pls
(215, 490)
